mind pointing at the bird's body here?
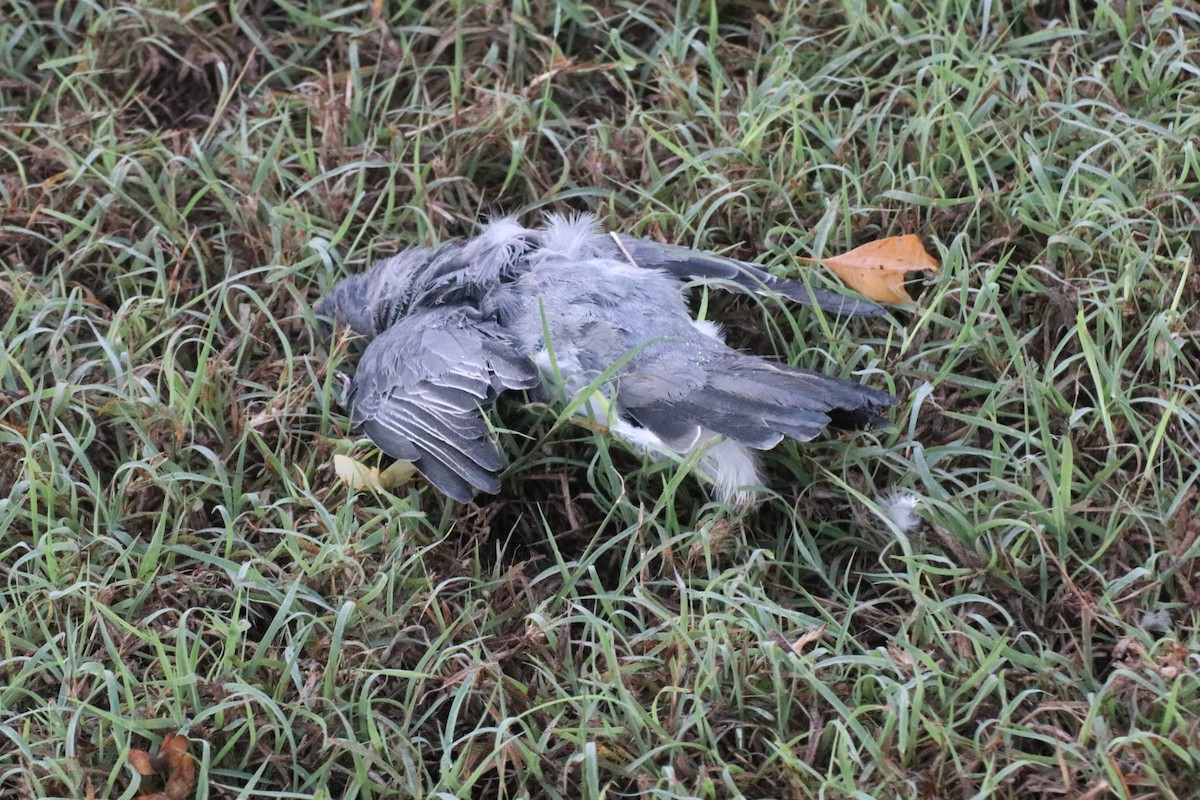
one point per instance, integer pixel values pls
(567, 309)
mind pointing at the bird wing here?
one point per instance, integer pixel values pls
(421, 390)
(679, 388)
(740, 276)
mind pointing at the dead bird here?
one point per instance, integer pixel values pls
(564, 310)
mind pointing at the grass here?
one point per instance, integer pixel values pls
(180, 182)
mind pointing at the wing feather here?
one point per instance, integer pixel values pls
(422, 388)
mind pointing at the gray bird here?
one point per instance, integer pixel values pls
(566, 310)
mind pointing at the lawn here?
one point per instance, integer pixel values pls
(178, 184)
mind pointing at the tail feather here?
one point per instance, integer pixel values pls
(756, 404)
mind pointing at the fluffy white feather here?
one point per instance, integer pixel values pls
(901, 507)
(734, 469)
(498, 245)
(568, 235)
(710, 329)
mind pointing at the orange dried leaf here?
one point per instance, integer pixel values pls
(809, 636)
(140, 760)
(877, 269)
(12, 426)
(181, 778)
(173, 760)
(174, 749)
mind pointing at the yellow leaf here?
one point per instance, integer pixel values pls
(398, 474)
(877, 269)
(355, 474)
(359, 476)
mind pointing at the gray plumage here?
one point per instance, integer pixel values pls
(568, 309)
